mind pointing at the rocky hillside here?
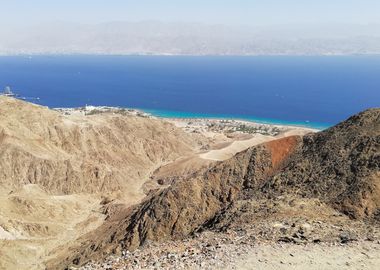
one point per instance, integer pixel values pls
(59, 171)
(341, 166)
(174, 212)
(334, 169)
(76, 153)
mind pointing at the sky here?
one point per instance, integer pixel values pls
(228, 12)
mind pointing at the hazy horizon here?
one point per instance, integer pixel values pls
(223, 27)
(226, 12)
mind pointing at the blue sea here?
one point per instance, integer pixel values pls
(311, 91)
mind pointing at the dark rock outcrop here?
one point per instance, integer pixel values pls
(340, 166)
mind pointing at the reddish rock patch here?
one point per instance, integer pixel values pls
(281, 149)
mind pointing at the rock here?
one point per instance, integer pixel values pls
(286, 239)
(346, 237)
(305, 227)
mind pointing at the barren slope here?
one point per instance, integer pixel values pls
(34, 222)
(339, 168)
(57, 172)
(71, 154)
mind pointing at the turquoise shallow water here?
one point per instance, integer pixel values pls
(173, 114)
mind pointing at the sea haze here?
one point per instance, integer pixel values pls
(315, 91)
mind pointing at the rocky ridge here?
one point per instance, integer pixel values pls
(336, 171)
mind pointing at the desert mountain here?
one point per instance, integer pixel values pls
(73, 154)
(57, 171)
(334, 174)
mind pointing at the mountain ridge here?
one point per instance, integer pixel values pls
(262, 173)
(165, 38)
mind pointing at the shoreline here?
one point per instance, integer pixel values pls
(225, 137)
(176, 115)
(188, 116)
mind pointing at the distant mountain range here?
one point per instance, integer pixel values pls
(159, 38)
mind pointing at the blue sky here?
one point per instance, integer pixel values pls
(240, 12)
